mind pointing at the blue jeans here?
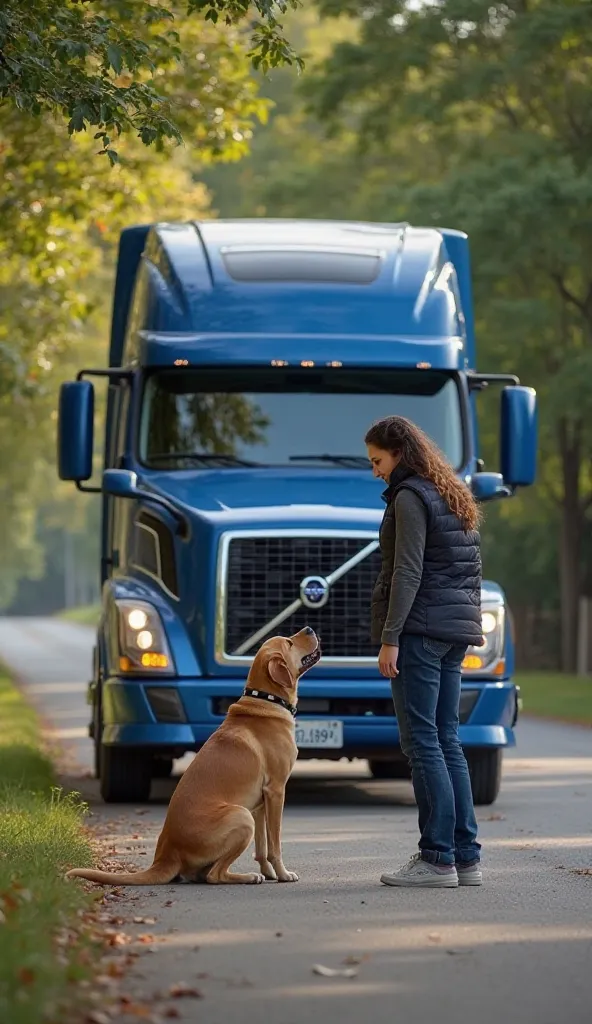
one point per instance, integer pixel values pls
(427, 697)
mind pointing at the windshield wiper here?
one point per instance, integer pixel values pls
(219, 458)
(340, 460)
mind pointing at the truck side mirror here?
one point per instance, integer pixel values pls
(487, 486)
(518, 440)
(120, 483)
(123, 483)
(75, 430)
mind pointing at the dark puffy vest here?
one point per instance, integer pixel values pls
(448, 603)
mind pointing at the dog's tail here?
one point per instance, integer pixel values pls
(164, 870)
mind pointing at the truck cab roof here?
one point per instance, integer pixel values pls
(292, 290)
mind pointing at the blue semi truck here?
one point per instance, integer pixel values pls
(247, 359)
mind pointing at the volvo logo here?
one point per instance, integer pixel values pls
(314, 592)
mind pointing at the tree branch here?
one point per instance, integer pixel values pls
(566, 294)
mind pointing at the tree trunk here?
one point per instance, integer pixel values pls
(570, 447)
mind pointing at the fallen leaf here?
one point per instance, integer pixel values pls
(334, 972)
(116, 938)
(182, 990)
(141, 810)
(8, 901)
(26, 976)
(352, 961)
(144, 920)
(140, 1010)
(434, 937)
(581, 871)
(169, 903)
(279, 935)
(171, 1011)
(493, 817)
(115, 970)
(145, 938)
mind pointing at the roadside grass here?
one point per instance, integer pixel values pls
(85, 615)
(556, 696)
(45, 946)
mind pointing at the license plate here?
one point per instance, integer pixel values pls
(319, 734)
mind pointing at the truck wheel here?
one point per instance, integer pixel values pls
(485, 769)
(97, 733)
(97, 713)
(162, 767)
(389, 769)
(125, 775)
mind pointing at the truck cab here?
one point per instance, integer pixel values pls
(247, 360)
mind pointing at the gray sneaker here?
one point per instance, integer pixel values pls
(469, 874)
(418, 873)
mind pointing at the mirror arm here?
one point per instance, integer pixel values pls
(87, 490)
(480, 381)
(113, 372)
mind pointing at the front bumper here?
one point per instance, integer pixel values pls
(129, 718)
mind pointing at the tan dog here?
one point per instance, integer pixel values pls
(234, 788)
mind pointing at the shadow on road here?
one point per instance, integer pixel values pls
(307, 791)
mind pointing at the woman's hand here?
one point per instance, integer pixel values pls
(387, 661)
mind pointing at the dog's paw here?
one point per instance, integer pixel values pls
(288, 876)
(266, 869)
(254, 878)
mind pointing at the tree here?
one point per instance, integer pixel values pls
(61, 212)
(498, 95)
(105, 64)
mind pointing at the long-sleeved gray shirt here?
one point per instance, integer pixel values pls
(410, 539)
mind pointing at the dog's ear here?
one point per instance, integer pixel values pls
(278, 670)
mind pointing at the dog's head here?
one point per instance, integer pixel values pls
(281, 661)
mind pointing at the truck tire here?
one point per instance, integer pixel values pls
(97, 713)
(162, 767)
(485, 769)
(389, 769)
(125, 775)
(97, 733)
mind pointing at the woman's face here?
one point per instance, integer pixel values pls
(383, 463)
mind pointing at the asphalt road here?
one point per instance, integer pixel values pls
(518, 949)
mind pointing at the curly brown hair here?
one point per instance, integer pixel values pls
(400, 436)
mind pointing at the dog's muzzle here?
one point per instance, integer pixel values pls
(310, 659)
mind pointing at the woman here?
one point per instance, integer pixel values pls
(426, 610)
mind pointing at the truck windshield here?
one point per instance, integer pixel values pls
(280, 415)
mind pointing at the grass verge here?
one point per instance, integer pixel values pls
(85, 615)
(45, 948)
(556, 696)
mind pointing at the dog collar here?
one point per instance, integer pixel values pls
(272, 698)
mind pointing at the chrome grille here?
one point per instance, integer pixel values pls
(262, 576)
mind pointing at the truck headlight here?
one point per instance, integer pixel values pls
(143, 645)
(489, 659)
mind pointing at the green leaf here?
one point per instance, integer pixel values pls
(76, 123)
(115, 57)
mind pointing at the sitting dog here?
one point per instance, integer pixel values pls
(233, 790)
